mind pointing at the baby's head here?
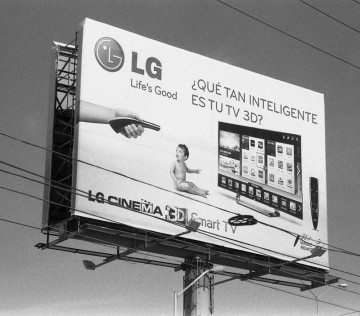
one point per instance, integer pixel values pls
(182, 152)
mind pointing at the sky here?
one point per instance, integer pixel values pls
(36, 282)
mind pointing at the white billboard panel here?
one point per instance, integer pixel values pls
(253, 145)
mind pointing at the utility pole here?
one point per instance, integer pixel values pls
(198, 299)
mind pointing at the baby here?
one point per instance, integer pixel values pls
(178, 172)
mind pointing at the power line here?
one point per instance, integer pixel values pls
(105, 244)
(358, 311)
(104, 218)
(140, 181)
(71, 158)
(238, 243)
(111, 171)
(59, 204)
(83, 195)
(131, 178)
(209, 204)
(345, 252)
(156, 256)
(73, 190)
(84, 212)
(61, 185)
(18, 223)
(288, 34)
(39, 229)
(233, 241)
(331, 17)
(36, 228)
(96, 239)
(74, 209)
(308, 298)
(356, 1)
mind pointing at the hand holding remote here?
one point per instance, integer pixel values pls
(120, 124)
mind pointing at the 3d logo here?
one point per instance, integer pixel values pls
(109, 54)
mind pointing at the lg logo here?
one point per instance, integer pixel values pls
(110, 56)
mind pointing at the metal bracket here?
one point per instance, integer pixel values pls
(43, 246)
(315, 284)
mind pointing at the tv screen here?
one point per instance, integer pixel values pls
(261, 165)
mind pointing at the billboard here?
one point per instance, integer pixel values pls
(183, 136)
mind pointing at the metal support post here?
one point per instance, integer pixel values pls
(197, 299)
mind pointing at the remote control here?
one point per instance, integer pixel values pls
(118, 124)
(314, 201)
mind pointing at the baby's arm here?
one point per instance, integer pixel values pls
(188, 170)
(172, 173)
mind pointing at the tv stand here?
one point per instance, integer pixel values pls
(274, 213)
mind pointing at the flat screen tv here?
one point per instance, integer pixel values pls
(262, 167)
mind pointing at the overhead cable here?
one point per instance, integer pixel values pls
(100, 241)
(232, 241)
(143, 182)
(71, 158)
(329, 16)
(253, 282)
(288, 34)
(308, 298)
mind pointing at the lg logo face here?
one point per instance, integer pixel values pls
(109, 54)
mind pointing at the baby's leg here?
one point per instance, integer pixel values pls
(193, 189)
(202, 192)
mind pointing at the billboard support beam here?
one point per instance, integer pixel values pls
(191, 226)
(167, 264)
(316, 252)
(58, 240)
